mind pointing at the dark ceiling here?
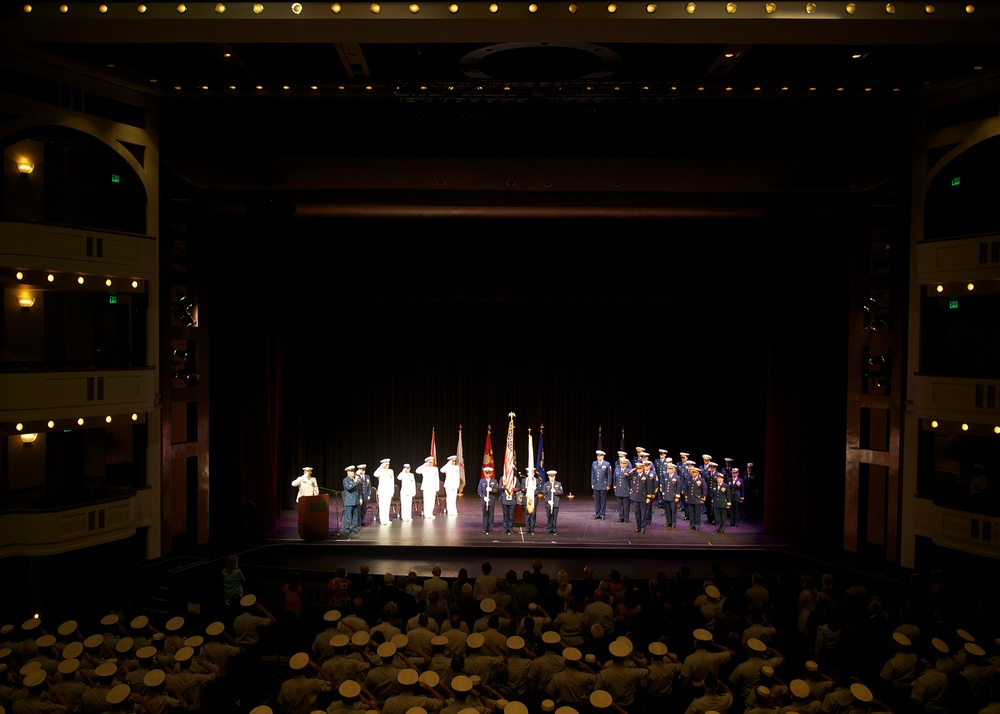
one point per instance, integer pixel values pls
(271, 98)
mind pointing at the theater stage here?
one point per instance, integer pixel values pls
(459, 542)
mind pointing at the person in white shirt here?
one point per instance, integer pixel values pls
(306, 483)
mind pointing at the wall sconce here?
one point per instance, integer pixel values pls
(28, 438)
(26, 301)
(25, 167)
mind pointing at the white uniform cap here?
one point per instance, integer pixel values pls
(799, 688)
(600, 699)
(298, 661)
(34, 677)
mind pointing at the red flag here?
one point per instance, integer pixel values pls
(434, 451)
(487, 453)
(509, 458)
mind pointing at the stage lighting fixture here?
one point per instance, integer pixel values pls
(183, 309)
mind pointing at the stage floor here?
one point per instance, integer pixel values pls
(459, 542)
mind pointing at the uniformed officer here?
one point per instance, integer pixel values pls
(695, 493)
(720, 501)
(551, 491)
(670, 490)
(735, 497)
(488, 491)
(622, 475)
(601, 477)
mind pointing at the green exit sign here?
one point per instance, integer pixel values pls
(113, 299)
(116, 178)
(953, 304)
(957, 181)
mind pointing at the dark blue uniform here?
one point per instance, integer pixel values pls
(695, 492)
(551, 491)
(601, 477)
(488, 491)
(508, 499)
(351, 497)
(622, 476)
(670, 489)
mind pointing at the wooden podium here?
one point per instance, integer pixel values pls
(314, 517)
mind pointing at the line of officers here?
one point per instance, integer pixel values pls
(682, 489)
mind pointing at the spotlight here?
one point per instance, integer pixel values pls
(878, 372)
(183, 308)
(875, 310)
(25, 167)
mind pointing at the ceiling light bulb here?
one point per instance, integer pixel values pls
(297, 8)
(650, 8)
(612, 8)
(80, 421)
(970, 286)
(51, 278)
(336, 8)
(730, 7)
(414, 8)
(690, 8)
(940, 288)
(965, 427)
(375, 8)
(51, 424)
(453, 8)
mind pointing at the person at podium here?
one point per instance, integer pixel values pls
(307, 483)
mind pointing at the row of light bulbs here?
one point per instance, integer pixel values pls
(507, 88)
(80, 279)
(375, 8)
(29, 437)
(965, 427)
